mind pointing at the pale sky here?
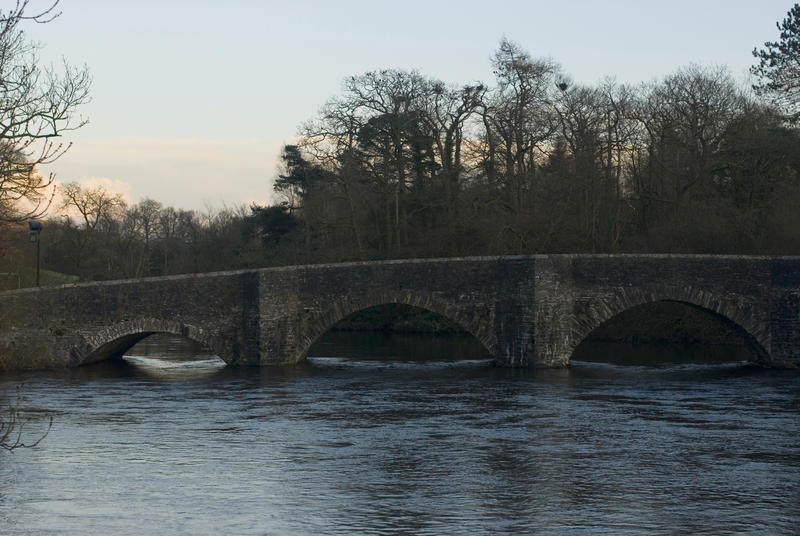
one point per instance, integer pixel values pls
(192, 99)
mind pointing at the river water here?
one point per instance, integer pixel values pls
(403, 437)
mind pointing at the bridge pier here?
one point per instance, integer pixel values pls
(784, 349)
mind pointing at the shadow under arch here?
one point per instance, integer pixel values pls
(113, 341)
(712, 328)
(319, 324)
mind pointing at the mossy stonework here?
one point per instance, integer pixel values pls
(527, 311)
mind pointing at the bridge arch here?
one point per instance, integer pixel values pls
(113, 340)
(315, 325)
(738, 316)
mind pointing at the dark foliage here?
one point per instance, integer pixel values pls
(273, 223)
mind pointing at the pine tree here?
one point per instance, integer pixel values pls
(779, 66)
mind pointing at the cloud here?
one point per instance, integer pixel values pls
(185, 173)
(113, 186)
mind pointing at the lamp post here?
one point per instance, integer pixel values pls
(35, 228)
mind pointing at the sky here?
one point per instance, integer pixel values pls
(192, 100)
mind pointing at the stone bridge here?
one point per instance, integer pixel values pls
(527, 311)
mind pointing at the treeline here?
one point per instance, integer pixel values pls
(400, 165)
(141, 240)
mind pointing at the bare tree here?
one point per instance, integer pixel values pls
(37, 106)
(144, 218)
(12, 426)
(446, 113)
(685, 117)
(519, 119)
(94, 204)
(100, 211)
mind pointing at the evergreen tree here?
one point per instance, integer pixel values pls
(779, 66)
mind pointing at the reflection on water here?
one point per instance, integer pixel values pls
(172, 357)
(661, 354)
(358, 445)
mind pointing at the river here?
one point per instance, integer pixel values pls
(405, 436)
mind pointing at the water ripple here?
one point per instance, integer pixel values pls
(367, 447)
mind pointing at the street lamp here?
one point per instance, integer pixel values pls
(35, 228)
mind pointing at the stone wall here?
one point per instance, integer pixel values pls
(488, 297)
(577, 293)
(82, 323)
(527, 311)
